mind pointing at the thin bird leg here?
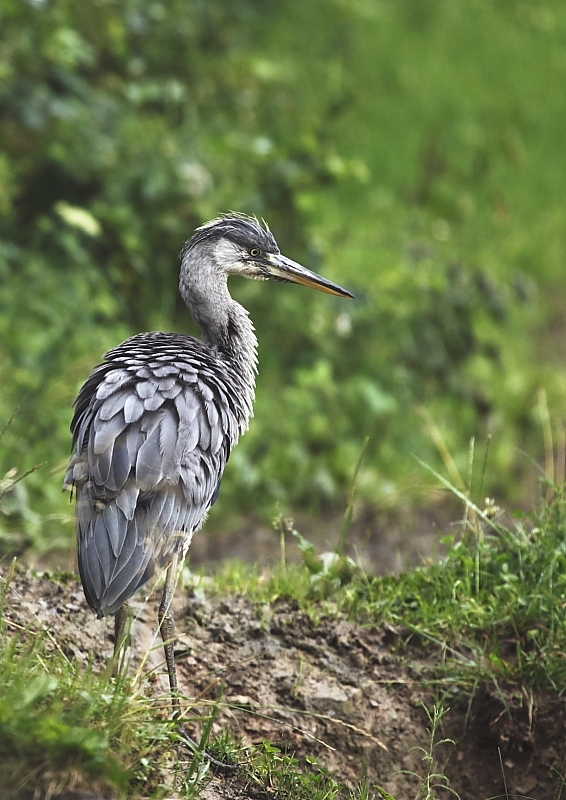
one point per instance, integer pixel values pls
(167, 628)
(121, 619)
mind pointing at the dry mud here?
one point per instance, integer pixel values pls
(333, 691)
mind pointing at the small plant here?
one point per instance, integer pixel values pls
(431, 779)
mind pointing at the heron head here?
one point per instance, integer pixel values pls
(240, 245)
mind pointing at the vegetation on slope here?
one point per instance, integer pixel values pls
(492, 611)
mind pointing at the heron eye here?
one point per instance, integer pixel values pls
(255, 252)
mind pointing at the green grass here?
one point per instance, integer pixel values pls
(62, 723)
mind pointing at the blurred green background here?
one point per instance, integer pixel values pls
(412, 150)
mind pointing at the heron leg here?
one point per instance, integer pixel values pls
(167, 629)
(121, 619)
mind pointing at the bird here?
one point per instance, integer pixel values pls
(155, 422)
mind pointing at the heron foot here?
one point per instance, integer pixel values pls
(194, 746)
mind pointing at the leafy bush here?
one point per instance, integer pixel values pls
(407, 151)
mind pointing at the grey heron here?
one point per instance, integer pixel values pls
(155, 422)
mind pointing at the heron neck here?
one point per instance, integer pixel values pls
(238, 343)
(225, 325)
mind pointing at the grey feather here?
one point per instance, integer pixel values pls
(130, 547)
(164, 371)
(171, 394)
(107, 431)
(114, 523)
(101, 544)
(133, 568)
(133, 408)
(187, 407)
(109, 386)
(153, 403)
(127, 499)
(216, 432)
(188, 439)
(168, 383)
(204, 432)
(146, 389)
(144, 373)
(168, 433)
(91, 572)
(148, 462)
(113, 404)
(120, 466)
(100, 466)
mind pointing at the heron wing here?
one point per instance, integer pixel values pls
(151, 442)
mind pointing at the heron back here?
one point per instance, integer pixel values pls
(152, 432)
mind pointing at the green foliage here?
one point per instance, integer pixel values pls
(279, 776)
(269, 771)
(405, 149)
(495, 602)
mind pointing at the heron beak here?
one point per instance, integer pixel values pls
(282, 268)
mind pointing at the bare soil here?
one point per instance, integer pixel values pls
(347, 695)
